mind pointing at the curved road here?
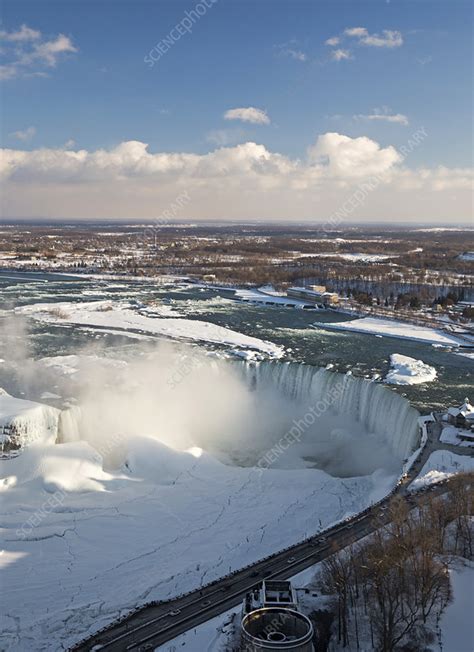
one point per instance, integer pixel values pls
(156, 623)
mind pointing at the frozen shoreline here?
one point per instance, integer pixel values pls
(396, 329)
(106, 314)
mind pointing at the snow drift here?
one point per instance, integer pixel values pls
(24, 422)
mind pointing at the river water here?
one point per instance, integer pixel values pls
(363, 355)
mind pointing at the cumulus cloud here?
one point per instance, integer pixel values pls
(248, 114)
(333, 41)
(24, 135)
(340, 54)
(245, 181)
(384, 115)
(25, 52)
(352, 157)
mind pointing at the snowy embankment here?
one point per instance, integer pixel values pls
(452, 435)
(23, 423)
(457, 626)
(392, 328)
(409, 371)
(441, 465)
(125, 317)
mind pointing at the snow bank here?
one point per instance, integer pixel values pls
(441, 465)
(355, 257)
(392, 328)
(451, 435)
(409, 371)
(457, 627)
(215, 635)
(23, 422)
(74, 467)
(105, 314)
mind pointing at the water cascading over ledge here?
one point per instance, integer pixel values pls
(379, 409)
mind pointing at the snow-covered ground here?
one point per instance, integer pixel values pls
(182, 519)
(355, 257)
(215, 635)
(122, 315)
(408, 371)
(451, 435)
(457, 626)
(392, 328)
(440, 466)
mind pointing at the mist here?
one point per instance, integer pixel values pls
(187, 399)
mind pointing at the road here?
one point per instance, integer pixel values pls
(155, 624)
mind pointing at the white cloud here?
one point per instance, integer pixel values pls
(25, 135)
(298, 55)
(25, 33)
(356, 31)
(384, 116)
(246, 181)
(49, 51)
(248, 114)
(25, 52)
(360, 36)
(388, 39)
(291, 50)
(8, 71)
(340, 54)
(352, 157)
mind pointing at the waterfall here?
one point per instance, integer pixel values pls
(379, 409)
(69, 425)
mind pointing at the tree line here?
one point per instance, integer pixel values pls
(390, 591)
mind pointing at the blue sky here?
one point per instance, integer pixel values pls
(267, 54)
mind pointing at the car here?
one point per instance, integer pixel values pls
(175, 612)
(290, 560)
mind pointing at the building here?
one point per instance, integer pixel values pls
(316, 294)
(271, 593)
(271, 620)
(276, 628)
(462, 416)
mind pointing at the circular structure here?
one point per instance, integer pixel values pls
(274, 628)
